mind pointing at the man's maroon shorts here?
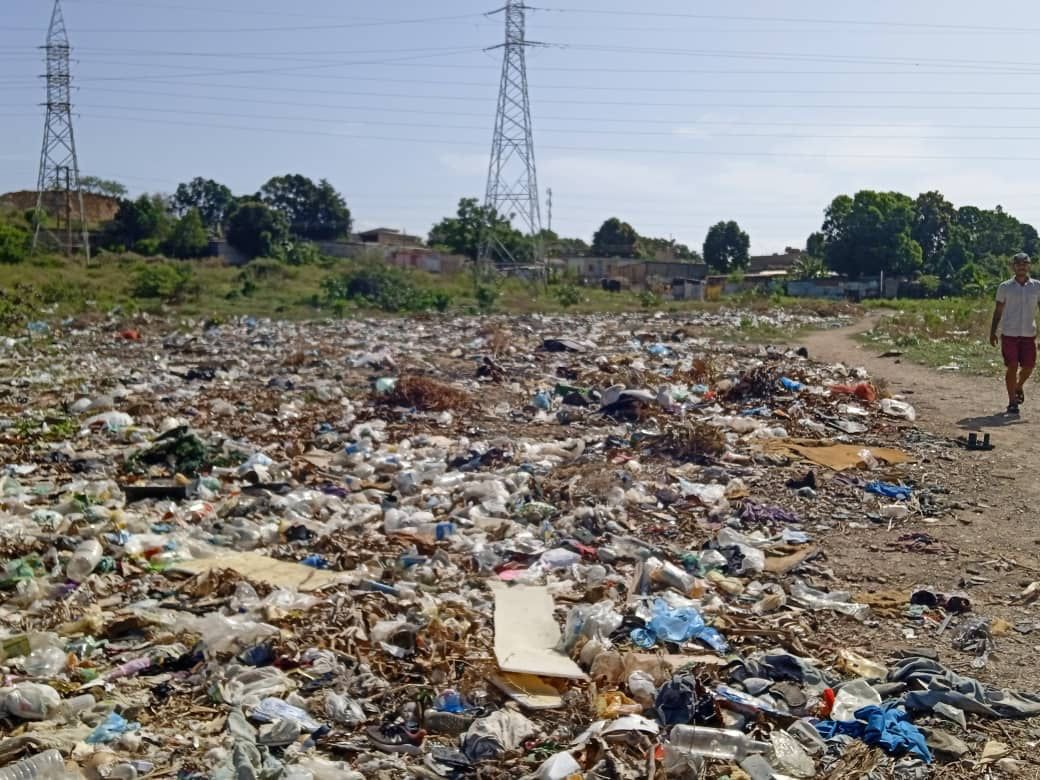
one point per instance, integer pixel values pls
(1019, 350)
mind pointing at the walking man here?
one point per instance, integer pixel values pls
(1015, 314)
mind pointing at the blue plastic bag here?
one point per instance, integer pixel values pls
(677, 625)
(888, 490)
(110, 729)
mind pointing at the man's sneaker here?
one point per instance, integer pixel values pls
(1012, 409)
(397, 738)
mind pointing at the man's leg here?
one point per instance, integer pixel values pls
(1011, 382)
(1026, 363)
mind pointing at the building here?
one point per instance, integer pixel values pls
(387, 237)
(429, 260)
(775, 262)
(635, 273)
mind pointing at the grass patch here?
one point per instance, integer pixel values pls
(937, 333)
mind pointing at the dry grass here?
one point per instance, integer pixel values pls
(427, 395)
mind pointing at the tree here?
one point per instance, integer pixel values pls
(188, 238)
(314, 211)
(98, 186)
(726, 247)
(472, 225)
(257, 230)
(557, 246)
(933, 225)
(615, 239)
(871, 234)
(808, 267)
(211, 199)
(140, 225)
(650, 248)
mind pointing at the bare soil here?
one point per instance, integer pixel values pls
(995, 537)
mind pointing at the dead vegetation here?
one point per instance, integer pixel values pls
(427, 395)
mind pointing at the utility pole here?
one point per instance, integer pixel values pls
(512, 184)
(549, 206)
(58, 191)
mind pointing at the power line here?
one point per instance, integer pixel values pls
(353, 24)
(796, 20)
(588, 149)
(678, 135)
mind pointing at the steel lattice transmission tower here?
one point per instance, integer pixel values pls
(59, 196)
(512, 185)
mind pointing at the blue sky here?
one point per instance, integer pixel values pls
(671, 117)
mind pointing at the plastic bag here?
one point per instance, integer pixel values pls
(901, 409)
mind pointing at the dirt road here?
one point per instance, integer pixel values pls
(993, 542)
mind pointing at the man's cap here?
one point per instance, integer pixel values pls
(1021, 257)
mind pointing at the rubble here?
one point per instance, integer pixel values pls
(448, 548)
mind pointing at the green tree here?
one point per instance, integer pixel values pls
(558, 246)
(98, 186)
(472, 225)
(808, 267)
(257, 230)
(726, 247)
(140, 224)
(188, 238)
(648, 248)
(871, 233)
(615, 239)
(933, 227)
(314, 211)
(211, 199)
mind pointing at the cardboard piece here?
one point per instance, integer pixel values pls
(526, 634)
(280, 574)
(528, 691)
(832, 455)
(787, 563)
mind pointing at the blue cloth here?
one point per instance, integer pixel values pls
(886, 727)
(888, 490)
(677, 625)
(789, 384)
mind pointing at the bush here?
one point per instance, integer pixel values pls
(487, 297)
(169, 282)
(302, 253)
(14, 243)
(567, 295)
(383, 287)
(648, 299)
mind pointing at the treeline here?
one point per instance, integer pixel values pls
(949, 249)
(269, 223)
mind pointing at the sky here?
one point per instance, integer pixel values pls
(668, 114)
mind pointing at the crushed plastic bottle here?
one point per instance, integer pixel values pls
(48, 765)
(725, 744)
(836, 601)
(84, 560)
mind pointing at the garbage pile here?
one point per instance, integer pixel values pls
(546, 547)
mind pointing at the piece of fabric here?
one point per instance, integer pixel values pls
(886, 727)
(1018, 351)
(888, 490)
(1020, 304)
(931, 683)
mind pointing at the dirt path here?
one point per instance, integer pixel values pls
(993, 542)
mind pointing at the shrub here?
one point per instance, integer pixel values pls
(487, 297)
(383, 287)
(567, 295)
(169, 282)
(14, 243)
(302, 253)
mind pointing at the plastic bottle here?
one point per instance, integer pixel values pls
(838, 601)
(725, 744)
(46, 662)
(667, 573)
(48, 765)
(84, 559)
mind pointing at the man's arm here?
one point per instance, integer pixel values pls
(998, 312)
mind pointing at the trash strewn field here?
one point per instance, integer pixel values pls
(552, 547)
